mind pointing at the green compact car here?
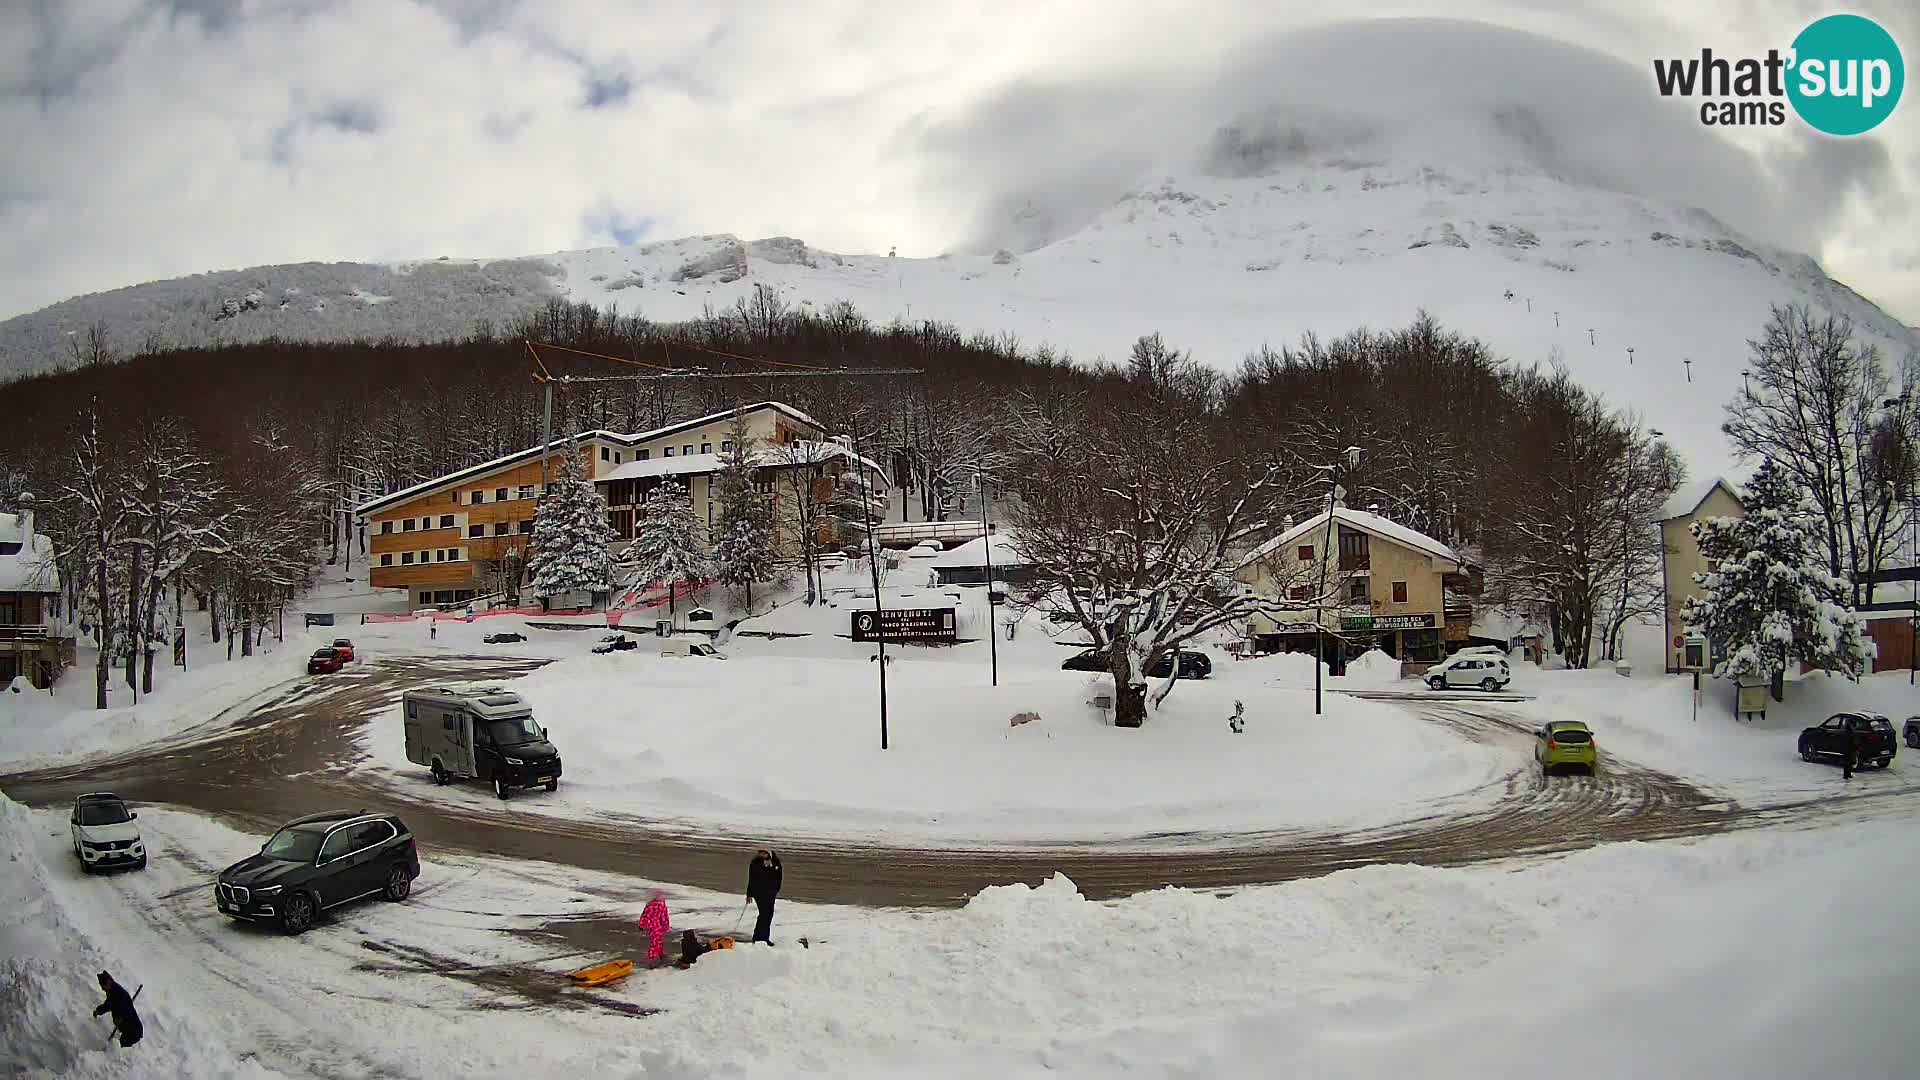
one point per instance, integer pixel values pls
(1565, 744)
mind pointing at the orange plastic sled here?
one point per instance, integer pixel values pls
(602, 974)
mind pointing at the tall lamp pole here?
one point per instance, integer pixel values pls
(1352, 459)
(873, 563)
(986, 543)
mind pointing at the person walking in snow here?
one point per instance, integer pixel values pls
(655, 921)
(433, 631)
(126, 1022)
(1849, 753)
(763, 887)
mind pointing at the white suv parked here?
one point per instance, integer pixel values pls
(1467, 669)
(104, 834)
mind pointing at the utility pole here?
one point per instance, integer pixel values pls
(1326, 555)
(873, 564)
(986, 544)
(1689, 364)
(1629, 356)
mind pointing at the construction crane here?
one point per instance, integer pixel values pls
(776, 369)
(780, 370)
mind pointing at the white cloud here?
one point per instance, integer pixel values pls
(164, 138)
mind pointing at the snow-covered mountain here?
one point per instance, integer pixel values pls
(1259, 242)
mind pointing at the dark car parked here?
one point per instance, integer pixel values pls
(1912, 730)
(615, 643)
(1193, 665)
(318, 862)
(325, 662)
(1872, 733)
(505, 638)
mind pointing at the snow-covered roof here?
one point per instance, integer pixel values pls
(31, 568)
(804, 452)
(1365, 522)
(1688, 497)
(1005, 552)
(485, 467)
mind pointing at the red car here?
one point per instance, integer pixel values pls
(325, 662)
(344, 646)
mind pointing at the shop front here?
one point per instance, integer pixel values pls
(1410, 639)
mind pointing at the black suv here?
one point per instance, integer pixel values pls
(1193, 665)
(317, 862)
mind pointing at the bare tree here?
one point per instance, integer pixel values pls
(95, 510)
(1813, 401)
(1132, 522)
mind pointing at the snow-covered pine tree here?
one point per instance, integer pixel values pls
(669, 542)
(571, 536)
(743, 530)
(1770, 599)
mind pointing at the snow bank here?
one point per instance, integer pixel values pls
(38, 730)
(48, 990)
(1702, 959)
(792, 743)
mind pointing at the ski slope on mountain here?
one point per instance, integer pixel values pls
(1222, 260)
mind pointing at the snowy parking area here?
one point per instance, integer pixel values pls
(1676, 959)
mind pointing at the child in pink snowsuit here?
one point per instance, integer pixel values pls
(654, 921)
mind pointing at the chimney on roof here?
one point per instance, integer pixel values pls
(26, 521)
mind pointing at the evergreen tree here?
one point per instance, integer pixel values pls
(1770, 598)
(743, 544)
(571, 536)
(669, 542)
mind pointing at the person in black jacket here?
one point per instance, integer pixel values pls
(763, 887)
(120, 1004)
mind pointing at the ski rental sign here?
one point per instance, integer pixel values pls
(905, 624)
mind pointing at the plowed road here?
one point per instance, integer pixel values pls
(239, 769)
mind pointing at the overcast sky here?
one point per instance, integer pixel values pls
(155, 138)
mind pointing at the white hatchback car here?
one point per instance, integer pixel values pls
(104, 834)
(1468, 669)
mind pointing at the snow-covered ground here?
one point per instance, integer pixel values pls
(785, 735)
(38, 729)
(1762, 954)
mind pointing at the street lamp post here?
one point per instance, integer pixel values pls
(1352, 459)
(873, 562)
(986, 545)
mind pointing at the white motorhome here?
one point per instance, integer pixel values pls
(488, 734)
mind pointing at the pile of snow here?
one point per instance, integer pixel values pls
(700, 740)
(47, 968)
(1702, 959)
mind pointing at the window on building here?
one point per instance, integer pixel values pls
(1298, 592)
(386, 526)
(1399, 592)
(406, 558)
(667, 452)
(726, 445)
(763, 482)
(439, 555)
(406, 525)
(500, 527)
(527, 491)
(606, 454)
(706, 448)
(446, 521)
(616, 457)
(1305, 553)
(499, 494)
(686, 450)
(387, 559)
(526, 526)
(1357, 590)
(640, 455)
(1353, 550)
(476, 530)
(479, 497)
